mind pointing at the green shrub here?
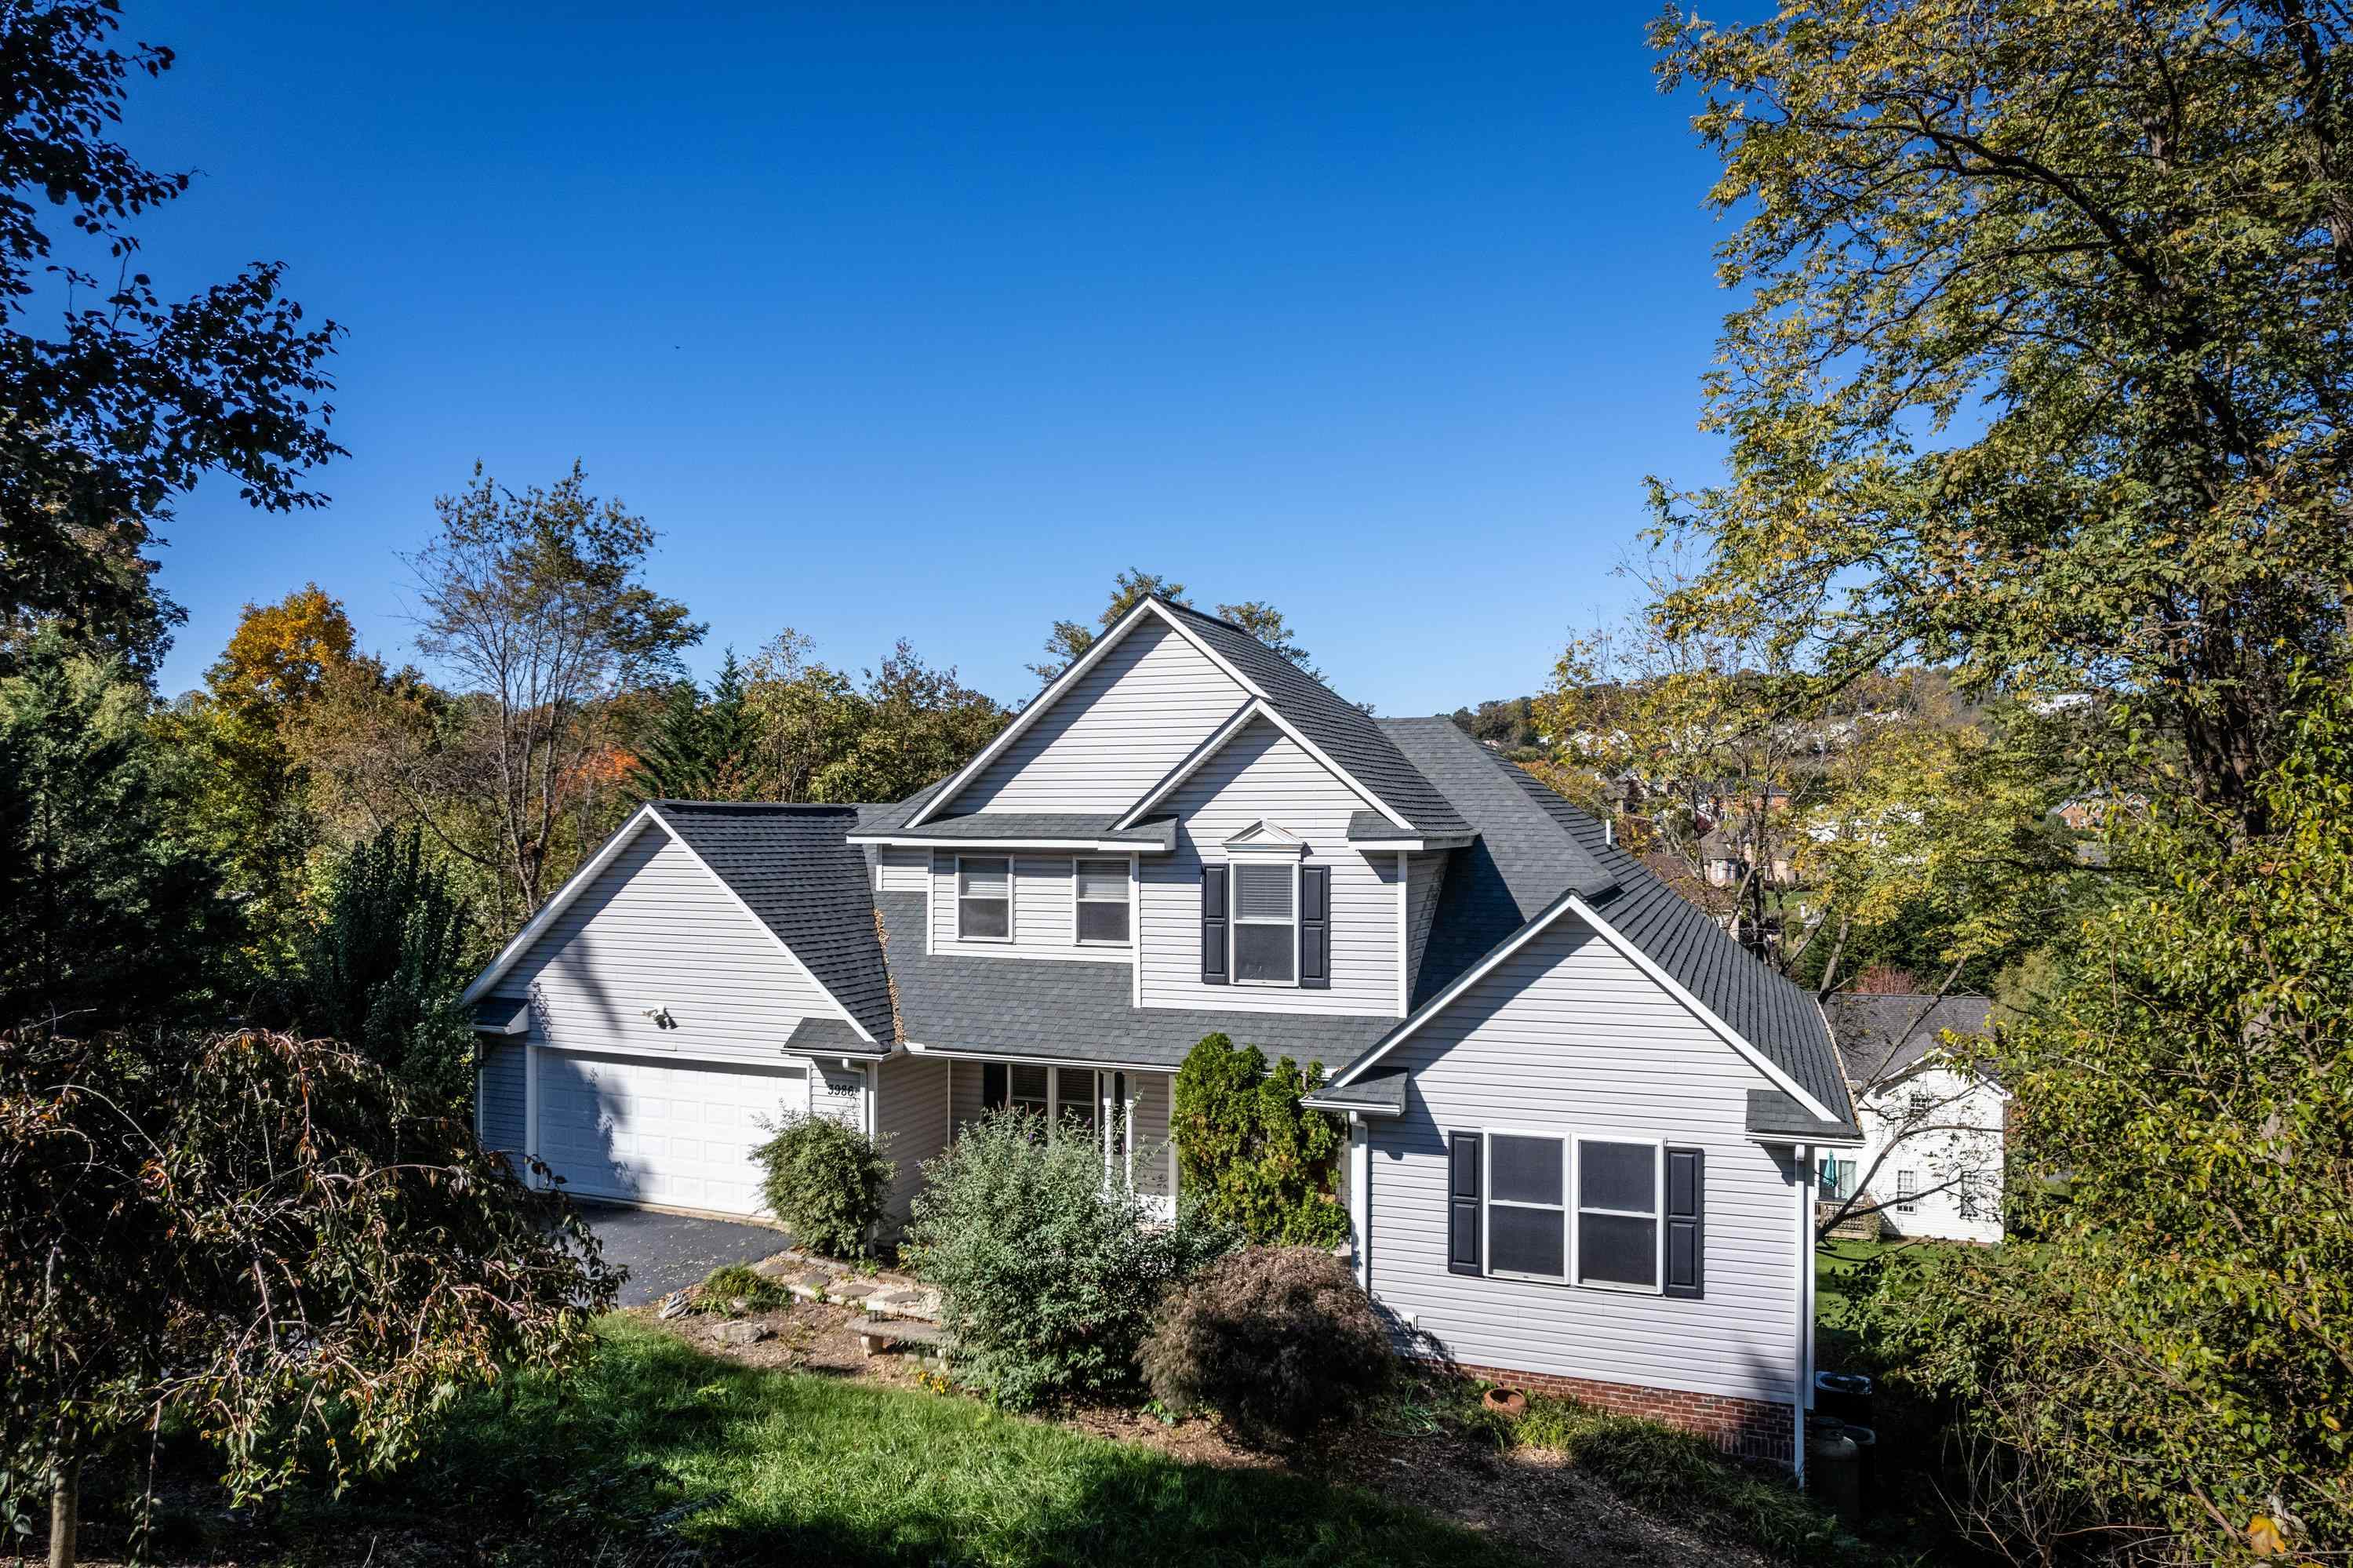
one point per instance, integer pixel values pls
(1278, 1339)
(1250, 1154)
(1049, 1276)
(732, 1282)
(826, 1181)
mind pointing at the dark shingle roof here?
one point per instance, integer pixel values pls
(1773, 1114)
(1533, 846)
(1345, 732)
(1151, 834)
(1881, 1037)
(795, 868)
(1077, 1010)
(1378, 1093)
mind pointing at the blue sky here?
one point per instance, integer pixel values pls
(904, 321)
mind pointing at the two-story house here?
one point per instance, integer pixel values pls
(1584, 1124)
(1933, 1121)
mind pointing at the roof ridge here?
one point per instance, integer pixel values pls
(809, 806)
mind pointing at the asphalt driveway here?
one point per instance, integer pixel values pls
(664, 1251)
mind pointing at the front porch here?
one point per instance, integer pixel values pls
(1124, 1109)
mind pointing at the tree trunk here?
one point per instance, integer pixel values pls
(65, 1512)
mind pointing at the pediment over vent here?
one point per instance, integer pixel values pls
(1263, 837)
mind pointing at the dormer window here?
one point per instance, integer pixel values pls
(1266, 922)
(984, 900)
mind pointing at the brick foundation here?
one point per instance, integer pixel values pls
(1749, 1428)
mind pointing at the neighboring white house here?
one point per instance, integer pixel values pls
(1932, 1153)
(1584, 1123)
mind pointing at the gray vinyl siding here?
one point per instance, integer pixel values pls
(655, 929)
(1262, 774)
(1156, 1168)
(1425, 878)
(501, 1091)
(911, 1115)
(901, 870)
(1567, 1036)
(964, 1104)
(838, 1092)
(1044, 914)
(1118, 731)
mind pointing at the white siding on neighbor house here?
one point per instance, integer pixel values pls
(1568, 1036)
(1045, 914)
(902, 869)
(1425, 878)
(500, 1087)
(1262, 774)
(911, 1117)
(1118, 731)
(656, 929)
(1966, 1147)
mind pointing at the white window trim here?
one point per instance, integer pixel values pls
(1238, 857)
(1572, 1206)
(1908, 1191)
(1127, 897)
(1012, 876)
(1565, 1208)
(1657, 1217)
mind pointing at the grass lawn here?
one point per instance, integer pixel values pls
(660, 1447)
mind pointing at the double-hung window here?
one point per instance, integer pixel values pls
(984, 900)
(1908, 1191)
(1025, 1088)
(1527, 1216)
(1101, 891)
(1266, 922)
(1618, 1192)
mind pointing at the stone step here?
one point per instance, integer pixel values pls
(882, 1336)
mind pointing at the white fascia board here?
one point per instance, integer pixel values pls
(1062, 684)
(538, 924)
(762, 926)
(1801, 1139)
(960, 1054)
(1087, 846)
(1352, 1108)
(1384, 846)
(1567, 903)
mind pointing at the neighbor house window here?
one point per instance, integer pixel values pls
(1908, 1191)
(1266, 923)
(1838, 1179)
(1921, 1103)
(1617, 1214)
(984, 900)
(1102, 893)
(1527, 1214)
(1965, 1195)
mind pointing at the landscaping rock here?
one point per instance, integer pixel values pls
(741, 1333)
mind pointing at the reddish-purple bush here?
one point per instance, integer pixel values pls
(1278, 1339)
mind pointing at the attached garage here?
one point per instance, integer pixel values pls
(644, 1026)
(676, 1134)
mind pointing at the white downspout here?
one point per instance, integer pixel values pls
(1803, 1362)
(1360, 1197)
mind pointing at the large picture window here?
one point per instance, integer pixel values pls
(984, 900)
(1617, 1214)
(1266, 923)
(1101, 889)
(1527, 1230)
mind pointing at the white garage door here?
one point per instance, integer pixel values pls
(660, 1132)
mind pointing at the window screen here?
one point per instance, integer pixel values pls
(1266, 931)
(1617, 1213)
(1026, 1088)
(1526, 1224)
(984, 899)
(1075, 1088)
(1102, 900)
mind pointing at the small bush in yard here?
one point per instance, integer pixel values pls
(826, 1181)
(1278, 1339)
(1255, 1157)
(733, 1282)
(1048, 1276)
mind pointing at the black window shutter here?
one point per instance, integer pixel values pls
(993, 1095)
(1463, 1202)
(1315, 927)
(1686, 1221)
(1213, 924)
